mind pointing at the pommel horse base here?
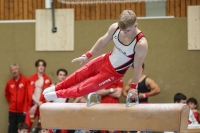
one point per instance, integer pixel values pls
(139, 117)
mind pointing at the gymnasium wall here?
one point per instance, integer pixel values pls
(178, 8)
(168, 62)
(25, 9)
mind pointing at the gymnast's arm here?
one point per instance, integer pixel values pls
(140, 54)
(126, 88)
(104, 40)
(99, 45)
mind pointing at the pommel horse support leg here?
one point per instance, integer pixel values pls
(141, 117)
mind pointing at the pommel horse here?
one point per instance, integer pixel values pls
(121, 117)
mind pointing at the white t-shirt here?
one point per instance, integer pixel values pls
(192, 118)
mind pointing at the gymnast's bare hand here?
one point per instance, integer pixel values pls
(83, 59)
(134, 93)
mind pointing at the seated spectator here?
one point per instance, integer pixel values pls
(61, 75)
(180, 98)
(23, 128)
(39, 129)
(192, 103)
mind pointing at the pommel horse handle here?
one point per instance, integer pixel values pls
(128, 103)
(89, 104)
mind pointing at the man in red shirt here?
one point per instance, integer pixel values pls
(111, 94)
(16, 94)
(37, 83)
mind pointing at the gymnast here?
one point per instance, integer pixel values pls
(130, 48)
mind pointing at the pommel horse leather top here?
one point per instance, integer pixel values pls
(139, 117)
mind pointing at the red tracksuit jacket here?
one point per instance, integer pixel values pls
(16, 93)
